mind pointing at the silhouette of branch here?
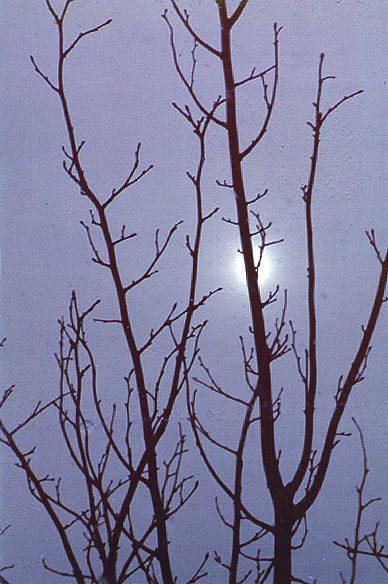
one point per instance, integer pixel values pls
(253, 75)
(372, 240)
(310, 375)
(237, 13)
(3, 530)
(84, 34)
(355, 548)
(131, 179)
(213, 472)
(184, 17)
(45, 77)
(159, 251)
(269, 101)
(198, 574)
(188, 84)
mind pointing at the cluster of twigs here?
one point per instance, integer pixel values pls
(363, 544)
(108, 519)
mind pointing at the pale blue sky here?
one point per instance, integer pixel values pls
(121, 83)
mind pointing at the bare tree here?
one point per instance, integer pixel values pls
(289, 506)
(109, 517)
(128, 468)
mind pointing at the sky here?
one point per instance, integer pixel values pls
(121, 83)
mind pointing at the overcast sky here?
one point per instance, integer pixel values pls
(121, 83)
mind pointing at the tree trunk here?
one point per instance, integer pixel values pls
(109, 575)
(282, 549)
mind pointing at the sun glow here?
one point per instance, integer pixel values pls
(265, 269)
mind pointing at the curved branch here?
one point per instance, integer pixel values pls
(185, 20)
(344, 393)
